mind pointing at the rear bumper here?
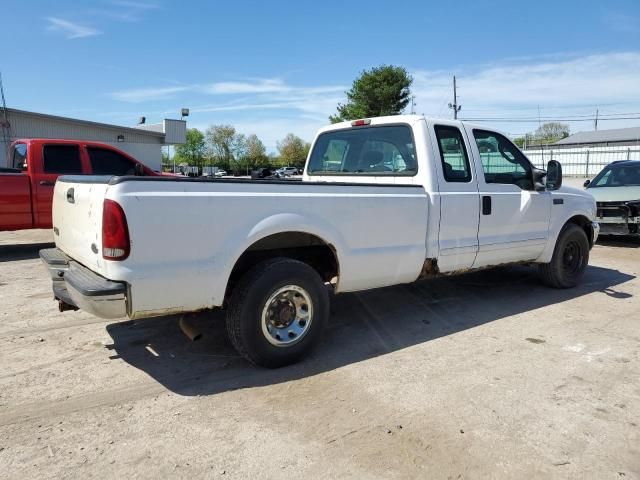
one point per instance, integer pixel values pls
(77, 286)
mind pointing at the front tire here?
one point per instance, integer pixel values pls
(569, 261)
(277, 312)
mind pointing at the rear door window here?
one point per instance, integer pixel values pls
(377, 150)
(62, 159)
(108, 162)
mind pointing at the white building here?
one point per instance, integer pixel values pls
(143, 142)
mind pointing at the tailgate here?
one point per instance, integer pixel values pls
(77, 218)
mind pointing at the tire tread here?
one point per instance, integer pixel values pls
(550, 273)
(237, 299)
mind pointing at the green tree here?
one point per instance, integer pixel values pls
(220, 145)
(256, 154)
(193, 150)
(239, 153)
(293, 151)
(166, 164)
(551, 132)
(383, 90)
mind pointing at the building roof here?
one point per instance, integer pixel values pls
(142, 131)
(602, 136)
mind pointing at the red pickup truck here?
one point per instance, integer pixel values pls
(26, 186)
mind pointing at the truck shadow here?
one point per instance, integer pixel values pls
(622, 241)
(22, 251)
(362, 325)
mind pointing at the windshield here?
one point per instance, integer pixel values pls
(382, 150)
(617, 176)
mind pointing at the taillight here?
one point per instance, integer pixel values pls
(115, 232)
(360, 123)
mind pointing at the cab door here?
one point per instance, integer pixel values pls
(514, 218)
(458, 192)
(15, 195)
(57, 159)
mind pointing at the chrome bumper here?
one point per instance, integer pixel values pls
(596, 231)
(76, 286)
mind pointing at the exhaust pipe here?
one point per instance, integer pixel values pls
(188, 329)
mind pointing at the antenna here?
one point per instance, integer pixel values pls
(456, 108)
(4, 119)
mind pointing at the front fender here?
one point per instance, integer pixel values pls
(574, 205)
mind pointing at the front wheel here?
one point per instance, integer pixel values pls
(277, 312)
(569, 261)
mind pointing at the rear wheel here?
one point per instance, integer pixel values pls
(277, 312)
(570, 259)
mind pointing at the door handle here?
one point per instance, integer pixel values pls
(486, 205)
(70, 196)
(47, 183)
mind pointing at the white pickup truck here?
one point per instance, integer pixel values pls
(382, 201)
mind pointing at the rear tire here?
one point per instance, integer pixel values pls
(569, 261)
(277, 312)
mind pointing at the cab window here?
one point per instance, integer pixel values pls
(502, 161)
(19, 160)
(63, 159)
(108, 162)
(378, 150)
(453, 154)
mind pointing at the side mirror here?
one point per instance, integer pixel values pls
(538, 179)
(139, 170)
(554, 175)
(586, 183)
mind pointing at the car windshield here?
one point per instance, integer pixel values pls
(618, 176)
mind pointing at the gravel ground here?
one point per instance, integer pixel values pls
(486, 375)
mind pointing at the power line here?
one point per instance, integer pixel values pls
(546, 119)
(570, 117)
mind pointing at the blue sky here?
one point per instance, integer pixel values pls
(274, 67)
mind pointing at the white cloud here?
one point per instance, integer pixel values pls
(560, 88)
(560, 85)
(267, 85)
(139, 95)
(124, 10)
(260, 86)
(69, 29)
(260, 94)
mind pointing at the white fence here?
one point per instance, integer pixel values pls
(582, 161)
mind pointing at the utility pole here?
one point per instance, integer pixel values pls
(413, 104)
(456, 108)
(595, 126)
(539, 122)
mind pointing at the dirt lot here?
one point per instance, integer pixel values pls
(485, 375)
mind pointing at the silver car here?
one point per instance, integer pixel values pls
(617, 192)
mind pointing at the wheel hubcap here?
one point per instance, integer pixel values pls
(572, 257)
(287, 316)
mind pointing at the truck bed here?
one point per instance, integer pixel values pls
(194, 230)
